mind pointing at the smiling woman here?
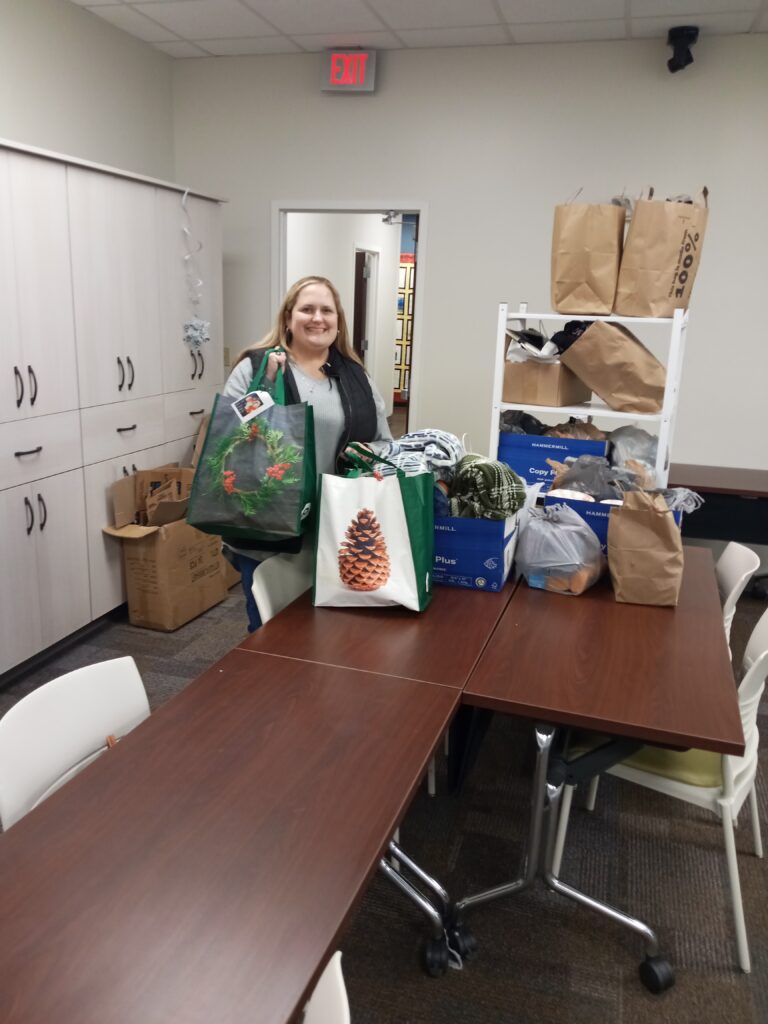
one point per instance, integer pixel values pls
(314, 352)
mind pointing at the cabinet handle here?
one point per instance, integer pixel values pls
(43, 512)
(125, 430)
(30, 451)
(196, 412)
(32, 385)
(121, 368)
(19, 386)
(202, 366)
(31, 519)
(194, 364)
(133, 372)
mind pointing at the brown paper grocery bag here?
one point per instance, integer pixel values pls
(661, 256)
(645, 550)
(586, 249)
(616, 365)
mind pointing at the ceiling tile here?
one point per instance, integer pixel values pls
(131, 21)
(762, 24)
(570, 31)
(403, 14)
(689, 8)
(181, 49)
(303, 17)
(709, 24)
(521, 12)
(207, 19)
(486, 35)
(328, 40)
(98, 3)
(249, 47)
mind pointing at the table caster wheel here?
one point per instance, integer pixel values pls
(657, 974)
(461, 939)
(436, 957)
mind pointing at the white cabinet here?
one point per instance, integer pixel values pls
(116, 287)
(107, 586)
(189, 230)
(96, 380)
(45, 559)
(38, 368)
(657, 333)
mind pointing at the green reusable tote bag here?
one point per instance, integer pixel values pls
(375, 540)
(256, 478)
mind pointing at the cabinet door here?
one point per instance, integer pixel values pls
(62, 555)
(191, 271)
(116, 287)
(12, 369)
(40, 229)
(20, 632)
(105, 557)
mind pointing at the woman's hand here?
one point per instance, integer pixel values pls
(352, 452)
(275, 360)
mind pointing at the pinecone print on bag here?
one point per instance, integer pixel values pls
(363, 558)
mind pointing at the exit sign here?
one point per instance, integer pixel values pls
(348, 70)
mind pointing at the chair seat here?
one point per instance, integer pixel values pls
(693, 767)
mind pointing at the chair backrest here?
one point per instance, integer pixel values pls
(754, 669)
(734, 569)
(55, 731)
(328, 1003)
(280, 580)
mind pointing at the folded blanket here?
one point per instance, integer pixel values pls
(485, 489)
(422, 451)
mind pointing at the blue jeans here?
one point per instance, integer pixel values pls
(245, 566)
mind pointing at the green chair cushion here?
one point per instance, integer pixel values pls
(693, 767)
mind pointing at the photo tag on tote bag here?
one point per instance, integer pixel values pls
(252, 404)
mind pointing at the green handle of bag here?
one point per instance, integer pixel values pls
(278, 389)
(361, 458)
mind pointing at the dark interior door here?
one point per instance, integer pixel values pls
(360, 312)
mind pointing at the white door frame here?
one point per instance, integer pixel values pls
(278, 284)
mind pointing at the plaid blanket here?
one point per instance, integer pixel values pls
(484, 489)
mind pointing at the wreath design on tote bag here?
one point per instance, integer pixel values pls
(277, 476)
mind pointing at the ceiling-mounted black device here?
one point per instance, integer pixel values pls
(681, 39)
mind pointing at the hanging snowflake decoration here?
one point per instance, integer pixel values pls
(196, 332)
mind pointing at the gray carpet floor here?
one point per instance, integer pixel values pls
(541, 960)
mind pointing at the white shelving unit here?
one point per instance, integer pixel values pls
(662, 423)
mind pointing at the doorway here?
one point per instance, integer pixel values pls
(339, 242)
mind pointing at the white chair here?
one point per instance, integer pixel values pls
(734, 569)
(280, 580)
(328, 1003)
(719, 783)
(55, 731)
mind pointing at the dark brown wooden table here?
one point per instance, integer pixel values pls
(635, 673)
(660, 675)
(203, 869)
(439, 645)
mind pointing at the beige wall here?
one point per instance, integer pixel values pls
(492, 138)
(71, 83)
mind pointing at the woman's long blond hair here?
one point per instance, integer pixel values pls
(278, 336)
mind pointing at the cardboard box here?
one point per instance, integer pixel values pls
(527, 454)
(474, 553)
(596, 514)
(173, 572)
(534, 383)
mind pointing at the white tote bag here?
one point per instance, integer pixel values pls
(374, 541)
